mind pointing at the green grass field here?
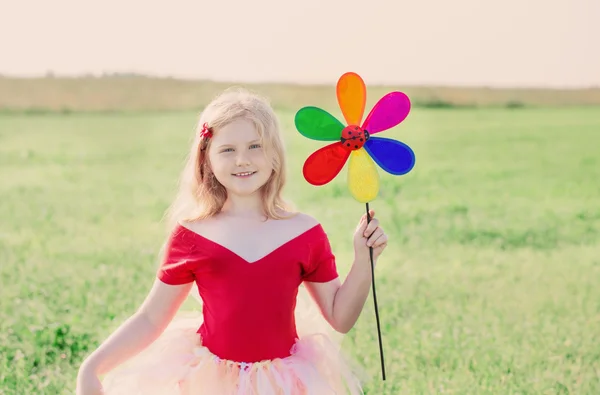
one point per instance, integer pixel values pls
(489, 284)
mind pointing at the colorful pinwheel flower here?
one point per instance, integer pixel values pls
(354, 141)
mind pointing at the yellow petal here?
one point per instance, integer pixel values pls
(363, 178)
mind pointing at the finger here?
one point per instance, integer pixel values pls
(362, 225)
(371, 227)
(381, 241)
(366, 221)
(374, 237)
(371, 214)
(378, 249)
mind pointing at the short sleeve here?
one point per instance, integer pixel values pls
(177, 266)
(320, 266)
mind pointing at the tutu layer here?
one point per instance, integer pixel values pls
(178, 364)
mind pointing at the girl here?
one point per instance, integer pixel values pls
(235, 239)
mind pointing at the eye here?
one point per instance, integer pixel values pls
(255, 146)
(226, 150)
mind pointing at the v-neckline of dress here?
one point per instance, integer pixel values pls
(267, 255)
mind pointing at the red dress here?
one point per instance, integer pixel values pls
(246, 341)
(248, 307)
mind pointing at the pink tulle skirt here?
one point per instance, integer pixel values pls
(178, 364)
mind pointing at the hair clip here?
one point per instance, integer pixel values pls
(205, 132)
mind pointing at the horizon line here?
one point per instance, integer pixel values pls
(157, 76)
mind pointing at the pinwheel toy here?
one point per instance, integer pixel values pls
(355, 143)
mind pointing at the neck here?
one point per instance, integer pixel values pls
(244, 206)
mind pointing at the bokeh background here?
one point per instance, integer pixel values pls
(490, 282)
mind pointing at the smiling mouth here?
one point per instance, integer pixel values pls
(244, 174)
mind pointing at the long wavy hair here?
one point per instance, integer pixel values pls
(200, 195)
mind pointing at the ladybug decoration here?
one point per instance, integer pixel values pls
(353, 137)
(355, 143)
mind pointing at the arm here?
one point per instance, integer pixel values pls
(140, 330)
(341, 304)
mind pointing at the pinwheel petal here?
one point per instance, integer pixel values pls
(389, 111)
(391, 155)
(324, 164)
(318, 124)
(352, 96)
(363, 179)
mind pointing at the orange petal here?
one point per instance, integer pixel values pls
(352, 96)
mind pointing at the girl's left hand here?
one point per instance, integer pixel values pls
(369, 235)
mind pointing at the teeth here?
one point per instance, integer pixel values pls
(244, 174)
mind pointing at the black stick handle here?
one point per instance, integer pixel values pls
(375, 301)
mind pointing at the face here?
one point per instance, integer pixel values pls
(237, 158)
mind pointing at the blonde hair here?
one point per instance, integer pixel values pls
(200, 194)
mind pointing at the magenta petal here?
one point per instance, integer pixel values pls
(389, 111)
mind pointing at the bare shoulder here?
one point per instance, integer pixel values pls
(302, 221)
(197, 225)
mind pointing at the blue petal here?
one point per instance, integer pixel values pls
(391, 155)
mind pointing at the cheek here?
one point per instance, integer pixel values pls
(217, 159)
(216, 166)
(262, 160)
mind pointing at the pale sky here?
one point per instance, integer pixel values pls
(549, 43)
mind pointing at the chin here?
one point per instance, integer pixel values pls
(248, 190)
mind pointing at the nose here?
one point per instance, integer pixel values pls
(242, 159)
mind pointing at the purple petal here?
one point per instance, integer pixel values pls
(389, 111)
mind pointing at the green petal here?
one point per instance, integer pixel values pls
(317, 124)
